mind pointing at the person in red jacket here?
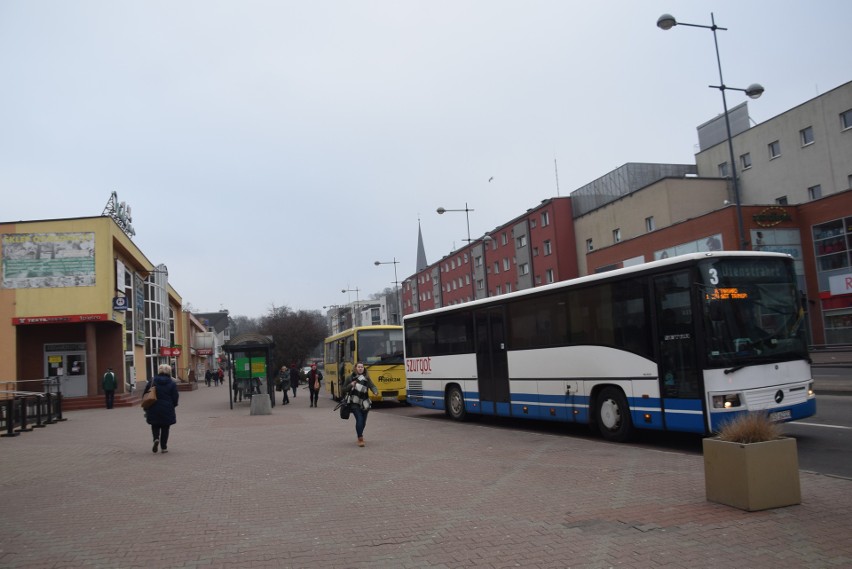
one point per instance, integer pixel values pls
(314, 379)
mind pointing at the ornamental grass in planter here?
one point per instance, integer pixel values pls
(750, 465)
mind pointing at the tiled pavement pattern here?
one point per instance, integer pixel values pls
(292, 489)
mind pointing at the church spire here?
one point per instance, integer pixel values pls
(421, 251)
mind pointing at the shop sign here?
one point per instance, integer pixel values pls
(771, 216)
(60, 319)
(169, 352)
(119, 303)
(840, 284)
(204, 351)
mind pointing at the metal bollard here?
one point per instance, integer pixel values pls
(49, 402)
(10, 419)
(24, 428)
(38, 402)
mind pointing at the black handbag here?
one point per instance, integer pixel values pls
(343, 405)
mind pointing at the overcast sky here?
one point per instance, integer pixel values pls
(271, 151)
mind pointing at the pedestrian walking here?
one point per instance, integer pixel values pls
(284, 383)
(109, 384)
(238, 389)
(294, 378)
(356, 389)
(208, 376)
(161, 415)
(314, 379)
(221, 376)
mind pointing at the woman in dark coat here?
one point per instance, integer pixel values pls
(161, 415)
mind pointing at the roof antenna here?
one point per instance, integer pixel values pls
(556, 169)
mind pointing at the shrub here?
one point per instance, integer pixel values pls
(750, 428)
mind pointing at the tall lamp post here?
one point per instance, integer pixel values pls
(466, 210)
(753, 91)
(396, 284)
(357, 320)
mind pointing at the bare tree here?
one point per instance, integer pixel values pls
(296, 334)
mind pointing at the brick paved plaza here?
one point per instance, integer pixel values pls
(292, 489)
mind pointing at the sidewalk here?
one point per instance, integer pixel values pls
(292, 489)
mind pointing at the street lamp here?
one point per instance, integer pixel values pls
(357, 305)
(466, 211)
(754, 91)
(396, 284)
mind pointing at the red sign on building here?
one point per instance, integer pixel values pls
(60, 319)
(169, 352)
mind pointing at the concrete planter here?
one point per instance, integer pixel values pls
(754, 476)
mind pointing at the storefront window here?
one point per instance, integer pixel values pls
(832, 251)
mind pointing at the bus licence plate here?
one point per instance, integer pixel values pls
(780, 416)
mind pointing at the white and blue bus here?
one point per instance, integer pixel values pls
(679, 344)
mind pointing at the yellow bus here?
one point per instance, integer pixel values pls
(379, 348)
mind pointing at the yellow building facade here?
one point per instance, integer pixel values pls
(73, 304)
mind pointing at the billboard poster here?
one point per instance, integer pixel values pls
(48, 260)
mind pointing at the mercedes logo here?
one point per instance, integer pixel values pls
(779, 396)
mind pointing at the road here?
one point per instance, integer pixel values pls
(824, 440)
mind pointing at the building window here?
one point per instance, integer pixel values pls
(506, 265)
(774, 150)
(723, 170)
(535, 251)
(548, 276)
(465, 258)
(496, 267)
(498, 289)
(538, 279)
(532, 224)
(815, 192)
(589, 245)
(781, 201)
(548, 248)
(745, 160)
(480, 284)
(545, 218)
(649, 224)
(467, 280)
(616, 235)
(504, 239)
(806, 135)
(846, 119)
(830, 245)
(524, 269)
(477, 261)
(521, 241)
(508, 287)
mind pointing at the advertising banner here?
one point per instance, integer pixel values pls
(48, 260)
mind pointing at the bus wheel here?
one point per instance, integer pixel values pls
(455, 404)
(613, 415)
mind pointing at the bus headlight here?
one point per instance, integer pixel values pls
(811, 389)
(726, 401)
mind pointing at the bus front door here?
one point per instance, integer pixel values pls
(680, 384)
(492, 368)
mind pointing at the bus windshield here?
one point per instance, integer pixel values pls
(380, 346)
(752, 311)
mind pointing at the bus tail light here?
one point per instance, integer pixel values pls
(726, 401)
